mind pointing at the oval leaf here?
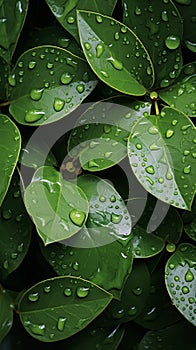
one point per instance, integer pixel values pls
(12, 19)
(10, 143)
(59, 208)
(111, 49)
(160, 30)
(6, 315)
(162, 156)
(180, 276)
(15, 228)
(181, 95)
(57, 308)
(100, 135)
(47, 83)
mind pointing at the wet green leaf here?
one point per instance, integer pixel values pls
(160, 30)
(180, 276)
(15, 228)
(4, 73)
(111, 49)
(10, 143)
(12, 20)
(99, 137)
(59, 307)
(47, 83)
(162, 156)
(58, 208)
(181, 94)
(146, 244)
(189, 219)
(65, 11)
(6, 315)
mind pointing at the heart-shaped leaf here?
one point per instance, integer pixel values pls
(189, 219)
(65, 11)
(99, 137)
(47, 83)
(181, 95)
(6, 315)
(15, 228)
(160, 30)
(112, 50)
(57, 308)
(146, 244)
(162, 156)
(180, 276)
(105, 241)
(59, 208)
(12, 19)
(10, 143)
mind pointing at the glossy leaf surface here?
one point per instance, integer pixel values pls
(189, 219)
(59, 208)
(47, 83)
(181, 94)
(111, 49)
(15, 228)
(12, 19)
(146, 244)
(180, 277)
(57, 308)
(100, 135)
(160, 30)
(6, 315)
(10, 143)
(162, 156)
(65, 11)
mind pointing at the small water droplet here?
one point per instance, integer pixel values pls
(191, 300)
(138, 11)
(99, 19)
(6, 264)
(33, 296)
(20, 247)
(67, 292)
(32, 64)
(14, 256)
(33, 116)
(174, 122)
(93, 164)
(187, 169)
(37, 329)
(164, 16)
(102, 199)
(12, 80)
(115, 63)
(189, 277)
(171, 266)
(169, 133)
(7, 214)
(104, 73)
(185, 290)
(58, 104)
(107, 154)
(66, 78)
(77, 217)
(80, 88)
(87, 46)
(112, 199)
(172, 42)
(36, 94)
(138, 146)
(70, 20)
(115, 218)
(61, 323)
(99, 50)
(150, 169)
(153, 130)
(116, 36)
(75, 266)
(82, 292)
(137, 291)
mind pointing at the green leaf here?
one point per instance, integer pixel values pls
(10, 143)
(189, 219)
(180, 276)
(4, 73)
(15, 228)
(59, 307)
(177, 336)
(65, 11)
(6, 315)
(161, 152)
(102, 40)
(99, 137)
(12, 20)
(59, 208)
(146, 244)
(181, 94)
(160, 30)
(102, 251)
(47, 83)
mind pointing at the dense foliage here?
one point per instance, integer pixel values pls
(97, 174)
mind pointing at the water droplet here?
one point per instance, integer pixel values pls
(112, 199)
(185, 290)
(14, 255)
(172, 42)
(67, 292)
(150, 169)
(171, 266)
(7, 214)
(138, 11)
(123, 29)
(116, 36)
(138, 146)
(107, 154)
(189, 277)
(33, 116)
(164, 83)
(33, 297)
(93, 164)
(137, 291)
(61, 323)
(104, 73)
(12, 80)
(82, 292)
(6, 264)
(66, 78)
(75, 266)
(70, 20)
(102, 199)
(174, 122)
(99, 19)
(36, 94)
(187, 169)
(58, 104)
(153, 130)
(77, 217)
(164, 16)
(50, 65)
(80, 88)
(115, 218)
(154, 147)
(19, 217)
(99, 50)
(37, 329)
(87, 46)
(32, 64)
(169, 133)
(148, 70)
(191, 300)
(115, 63)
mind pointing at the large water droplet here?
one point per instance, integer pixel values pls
(33, 297)
(66, 78)
(61, 323)
(32, 64)
(115, 63)
(77, 217)
(115, 218)
(82, 292)
(172, 42)
(150, 169)
(33, 116)
(99, 50)
(12, 80)
(58, 104)
(189, 277)
(37, 329)
(36, 94)
(185, 290)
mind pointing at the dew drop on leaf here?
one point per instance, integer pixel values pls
(82, 292)
(189, 277)
(115, 218)
(172, 42)
(150, 169)
(58, 104)
(32, 64)
(33, 116)
(61, 323)
(77, 217)
(7, 214)
(33, 297)
(67, 292)
(99, 50)
(66, 78)
(36, 94)
(115, 63)
(80, 88)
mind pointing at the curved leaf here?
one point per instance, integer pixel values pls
(160, 30)
(99, 137)
(112, 51)
(181, 95)
(57, 308)
(180, 276)
(146, 244)
(6, 315)
(10, 143)
(162, 156)
(15, 228)
(47, 83)
(12, 20)
(65, 11)
(189, 219)
(59, 208)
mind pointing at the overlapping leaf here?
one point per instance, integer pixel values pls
(47, 83)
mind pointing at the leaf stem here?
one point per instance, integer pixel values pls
(156, 107)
